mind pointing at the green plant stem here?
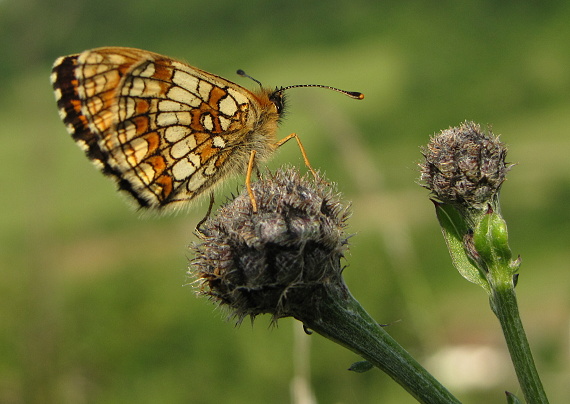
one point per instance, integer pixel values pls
(504, 303)
(342, 319)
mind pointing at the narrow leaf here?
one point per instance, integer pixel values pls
(455, 228)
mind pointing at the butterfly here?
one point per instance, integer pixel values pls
(166, 131)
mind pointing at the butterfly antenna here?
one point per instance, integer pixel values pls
(352, 94)
(244, 74)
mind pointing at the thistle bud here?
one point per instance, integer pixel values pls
(279, 259)
(464, 166)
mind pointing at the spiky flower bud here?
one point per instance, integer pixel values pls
(279, 259)
(464, 166)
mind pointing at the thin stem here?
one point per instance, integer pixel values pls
(505, 306)
(343, 320)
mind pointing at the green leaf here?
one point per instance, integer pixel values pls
(455, 228)
(361, 366)
(511, 398)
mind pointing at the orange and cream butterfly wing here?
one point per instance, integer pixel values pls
(164, 130)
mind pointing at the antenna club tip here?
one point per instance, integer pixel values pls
(359, 96)
(240, 72)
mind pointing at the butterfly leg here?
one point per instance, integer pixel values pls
(250, 166)
(199, 231)
(303, 152)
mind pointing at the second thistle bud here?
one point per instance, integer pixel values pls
(464, 166)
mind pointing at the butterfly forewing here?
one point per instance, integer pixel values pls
(166, 131)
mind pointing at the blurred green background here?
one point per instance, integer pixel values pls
(96, 306)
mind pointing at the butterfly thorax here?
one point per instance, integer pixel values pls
(264, 116)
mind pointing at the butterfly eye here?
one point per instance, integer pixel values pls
(277, 98)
